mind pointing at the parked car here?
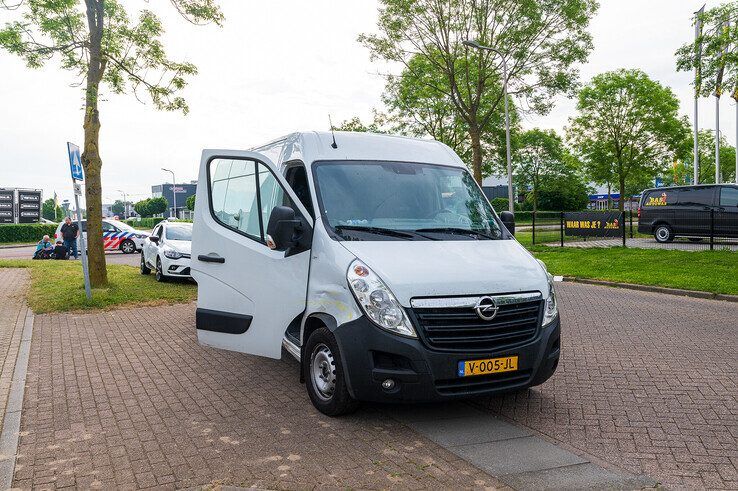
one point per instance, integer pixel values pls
(167, 251)
(695, 212)
(116, 236)
(377, 262)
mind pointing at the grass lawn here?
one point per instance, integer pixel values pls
(715, 272)
(58, 286)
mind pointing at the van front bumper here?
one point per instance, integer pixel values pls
(371, 356)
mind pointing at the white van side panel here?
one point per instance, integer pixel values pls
(328, 290)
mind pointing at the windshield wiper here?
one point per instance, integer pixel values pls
(377, 230)
(456, 231)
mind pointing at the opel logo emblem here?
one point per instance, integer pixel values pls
(486, 308)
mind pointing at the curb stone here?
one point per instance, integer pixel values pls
(655, 289)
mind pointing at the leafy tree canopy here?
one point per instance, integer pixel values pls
(190, 203)
(539, 155)
(627, 127)
(713, 54)
(541, 42)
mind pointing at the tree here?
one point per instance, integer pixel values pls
(50, 210)
(355, 124)
(190, 203)
(157, 206)
(566, 192)
(540, 154)
(629, 121)
(143, 208)
(706, 151)
(418, 108)
(712, 54)
(118, 207)
(540, 41)
(104, 47)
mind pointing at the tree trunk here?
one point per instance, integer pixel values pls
(609, 196)
(476, 144)
(621, 201)
(91, 160)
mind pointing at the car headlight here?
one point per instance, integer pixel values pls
(377, 301)
(140, 236)
(172, 254)
(551, 310)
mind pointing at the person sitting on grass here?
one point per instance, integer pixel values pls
(43, 248)
(60, 251)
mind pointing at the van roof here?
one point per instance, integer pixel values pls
(691, 186)
(311, 146)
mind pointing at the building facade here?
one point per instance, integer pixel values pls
(183, 191)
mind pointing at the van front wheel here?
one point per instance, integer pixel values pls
(324, 376)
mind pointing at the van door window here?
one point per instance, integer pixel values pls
(243, 194)
(729, 197)
(233, 195)
(661, 197)
(696, 196)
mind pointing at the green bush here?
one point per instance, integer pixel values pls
(499, 204)
(25, 232)
(144, 223)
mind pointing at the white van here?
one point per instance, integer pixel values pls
(375, 261)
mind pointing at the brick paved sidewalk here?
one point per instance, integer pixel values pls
(129, 399)
(646, 382)
(12, 315)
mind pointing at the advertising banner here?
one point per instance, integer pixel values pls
(29, 206)
(593, 224)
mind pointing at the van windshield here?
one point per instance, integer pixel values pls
(403, 201)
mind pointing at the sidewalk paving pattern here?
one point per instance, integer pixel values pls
(128, 398)
(13, 317)
(647, 382)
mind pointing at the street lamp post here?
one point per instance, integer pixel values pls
(510, 197)
(125, 204)
(174, 191)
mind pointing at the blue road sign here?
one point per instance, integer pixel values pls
(75, 162)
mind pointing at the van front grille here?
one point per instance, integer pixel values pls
(461, 329)
(483, 383)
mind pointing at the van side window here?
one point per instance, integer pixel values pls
(661, 198)
(233, 195)
(696, 196)
(729, 197)
(272, 194)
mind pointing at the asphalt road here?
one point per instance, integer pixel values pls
(26, 252)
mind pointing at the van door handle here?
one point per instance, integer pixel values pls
(211, 258)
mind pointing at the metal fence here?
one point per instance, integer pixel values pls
(676, 229)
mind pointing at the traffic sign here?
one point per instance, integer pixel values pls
(77, 189)
(75, 162)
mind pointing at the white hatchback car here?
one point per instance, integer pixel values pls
(167, 251)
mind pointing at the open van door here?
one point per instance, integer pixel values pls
(247, 293)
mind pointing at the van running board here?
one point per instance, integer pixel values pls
(291, 348)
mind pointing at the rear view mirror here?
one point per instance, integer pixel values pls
(154, 239)
(283, 229)
(508, 219)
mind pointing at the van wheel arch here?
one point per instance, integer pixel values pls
(313, 323)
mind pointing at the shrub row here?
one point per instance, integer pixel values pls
(144, 223)
(25, 232)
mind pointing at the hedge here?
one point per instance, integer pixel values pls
(26, 232)
(143, 222)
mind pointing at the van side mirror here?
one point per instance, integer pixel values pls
(508, 220)
(283, 228)
(154, 239)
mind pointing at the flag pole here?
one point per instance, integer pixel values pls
(698, 55)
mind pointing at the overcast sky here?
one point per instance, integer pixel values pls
(277, 67)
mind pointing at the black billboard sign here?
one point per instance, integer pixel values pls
(593, 224)
(7, 202)
(29, 206)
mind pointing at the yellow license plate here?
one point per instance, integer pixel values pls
(485, 367)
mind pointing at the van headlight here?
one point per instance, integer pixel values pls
(377, 301)
(551, 310)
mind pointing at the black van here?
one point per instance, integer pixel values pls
(695, 212)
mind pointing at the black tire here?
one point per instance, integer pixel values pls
(663, 233)
(127, 246)
(144, 268)
(159, 275)
(335, 402)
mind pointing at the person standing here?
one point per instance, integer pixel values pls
(70, 232)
